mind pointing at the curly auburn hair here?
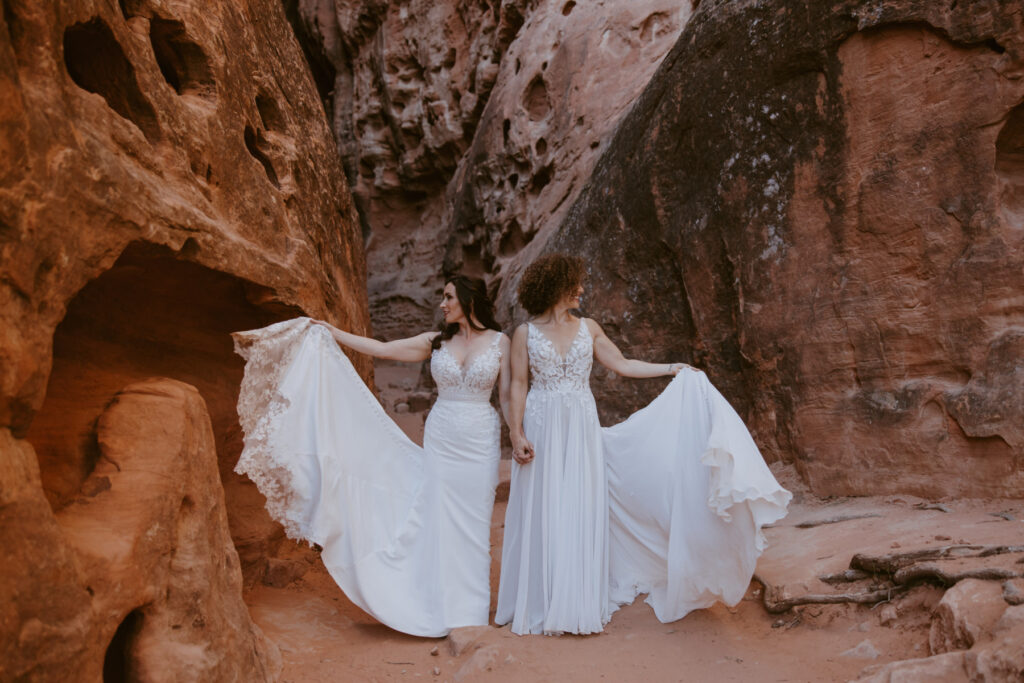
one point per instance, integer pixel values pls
(548, 279)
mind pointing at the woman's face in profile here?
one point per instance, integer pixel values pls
(450, 305)
(574, 296)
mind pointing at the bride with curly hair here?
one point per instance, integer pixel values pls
(669, 503)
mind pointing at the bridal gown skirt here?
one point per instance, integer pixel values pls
(554, 575)
(688, 494)
(405, 530)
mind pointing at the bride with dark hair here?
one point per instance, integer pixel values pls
(405, 530)
(669, 502)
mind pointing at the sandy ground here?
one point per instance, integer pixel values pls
(323, 637)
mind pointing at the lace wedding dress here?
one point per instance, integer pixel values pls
(670, 502)
(405, 530)
(554, 561)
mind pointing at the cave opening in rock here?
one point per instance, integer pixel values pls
(182, 62)
(152, 314)
(1010, 167)
(97, 63)
(117, 662)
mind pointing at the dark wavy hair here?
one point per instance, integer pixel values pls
(472, 295)
(548, 279)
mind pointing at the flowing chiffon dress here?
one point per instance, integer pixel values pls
(670, 502)
(405, 530)
(554, 573)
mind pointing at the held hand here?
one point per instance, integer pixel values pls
(522, 450)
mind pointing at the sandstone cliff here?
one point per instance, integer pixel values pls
(168, 176)
(818, 203)
(468, 130)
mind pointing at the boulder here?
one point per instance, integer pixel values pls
(161, 580)
(966, 614)
(948, 668)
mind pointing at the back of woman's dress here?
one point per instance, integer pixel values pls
(405, 530)
(554, 573)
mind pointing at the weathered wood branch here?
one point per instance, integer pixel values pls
(834, 520)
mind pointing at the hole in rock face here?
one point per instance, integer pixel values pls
(568, 8)
(1010, 167)
(473, 262)
(270, 113)
(117, 662)
(513, 180)
(653, 25)
(182, 62)
(541, 147)
(130, 8)
(535, 99)
(512, 240)
(149, 315)
(254, 142)
(96, 63)
(541, 178)
(506, 126)
(12, 22)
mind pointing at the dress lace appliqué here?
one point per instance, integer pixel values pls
(473, 382)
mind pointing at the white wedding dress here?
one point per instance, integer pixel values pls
(405, 530)
(554, 559)
(670, 502)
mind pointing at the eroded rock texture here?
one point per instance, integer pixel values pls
(469, 128)
(167, 176)
(819, 204)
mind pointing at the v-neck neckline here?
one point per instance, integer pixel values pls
(561, 356)
(467, 364)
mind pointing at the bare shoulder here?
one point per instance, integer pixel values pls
(429, 336)
(521, 330)
(594, 327)
(503, 340)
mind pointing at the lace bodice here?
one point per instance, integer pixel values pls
(473, 382)
(552, 372)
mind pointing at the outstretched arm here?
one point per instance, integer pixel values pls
(608, 355)
(522, 449)
(410, 349)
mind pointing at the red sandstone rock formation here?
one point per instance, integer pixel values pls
(167, 176)
(820, 205)
(468, 130)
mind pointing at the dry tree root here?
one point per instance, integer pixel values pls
(775, 604)
(932, 506)
(847, 576)
(931, 572)
(834, 520)
(902, 570)
(890, 564)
